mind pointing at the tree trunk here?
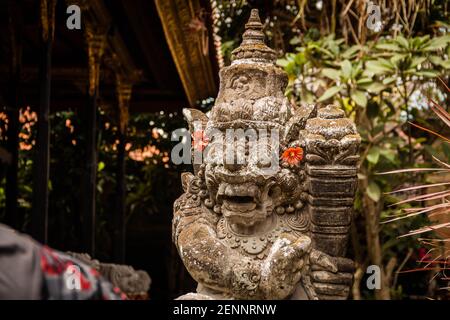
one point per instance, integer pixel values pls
(372, 214)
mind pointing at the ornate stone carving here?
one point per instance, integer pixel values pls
(246, 232)
(134, 283)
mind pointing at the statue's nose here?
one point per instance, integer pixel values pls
(233, 167)
(235, 156)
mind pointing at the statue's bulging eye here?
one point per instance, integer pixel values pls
(264, 161)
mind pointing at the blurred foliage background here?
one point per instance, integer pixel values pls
(381, 76)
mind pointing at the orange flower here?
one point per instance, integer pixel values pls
(292, 156)
(199, 140)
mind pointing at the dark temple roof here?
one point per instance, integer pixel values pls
(139, 34)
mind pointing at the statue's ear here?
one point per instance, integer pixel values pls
(195, 118)
(186, 178)
(298, 121)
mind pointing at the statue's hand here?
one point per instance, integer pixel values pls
(282, 269)
(331, 276)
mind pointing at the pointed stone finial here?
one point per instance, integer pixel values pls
(253, 46)
(253, 29)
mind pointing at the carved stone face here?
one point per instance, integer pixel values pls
(245, 180)
(245, 198)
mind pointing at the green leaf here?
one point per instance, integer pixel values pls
(364, 81)
(416, 61)
(375, 87)
(439, 62)
(322, 50)
(101, 166)
(402, 41)
(437, 43)
(300, 58)
(295, 40)
(359, 97)
(427, 73)
(389, 80)
(357, 71)
(330, 92)
(435, 60)
(333, 74)
(373, 191)
(346, 67)
(379, 66)
(347, 54)
(283, 62)
(290, 68)
(389, 154)
(419, 41)
(388, 46)
(373, 155)
(396, 58)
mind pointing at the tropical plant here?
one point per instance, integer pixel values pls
(433, 200)
(377, 85)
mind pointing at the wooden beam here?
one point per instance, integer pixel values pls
(123, 90)
(41, 164)
(96, 46)
(187, 37)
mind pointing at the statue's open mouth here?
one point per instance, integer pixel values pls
(239, 203)
(238, 199)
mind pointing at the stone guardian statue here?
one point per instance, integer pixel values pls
(267, 212)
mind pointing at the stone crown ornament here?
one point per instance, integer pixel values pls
(246, 233)
(252, 87)
(253, 46)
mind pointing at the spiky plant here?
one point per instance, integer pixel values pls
(427, 201)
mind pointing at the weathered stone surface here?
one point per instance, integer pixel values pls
(134, 283)
(246, 232)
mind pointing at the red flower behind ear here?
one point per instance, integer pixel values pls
(199, 140)
(292, 156)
